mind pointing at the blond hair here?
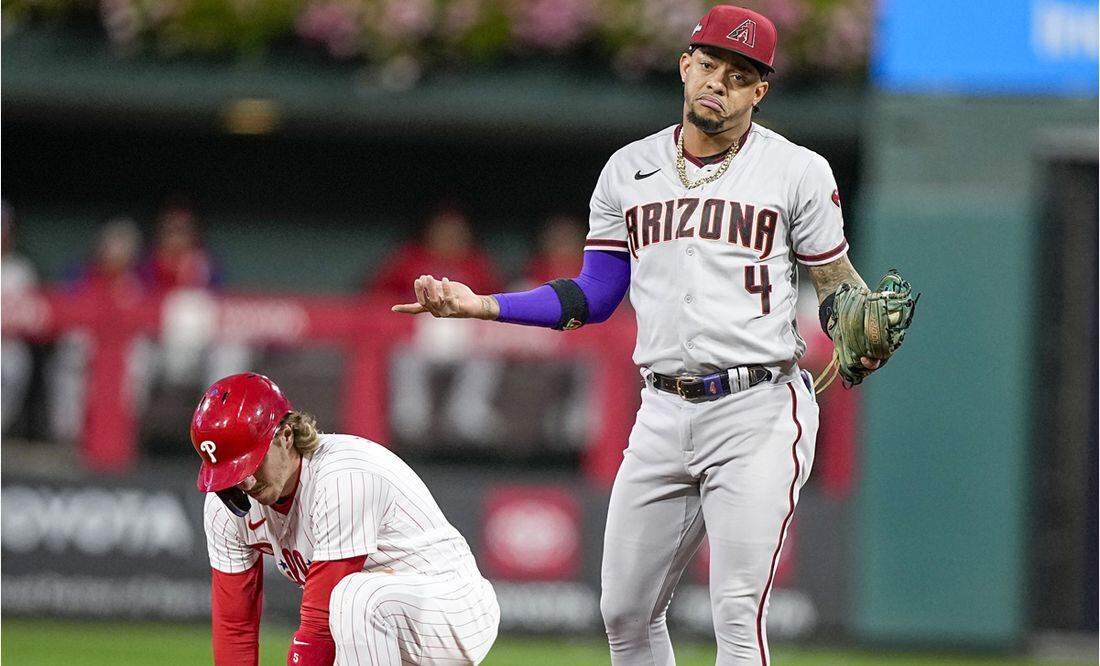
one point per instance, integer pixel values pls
(304, 427)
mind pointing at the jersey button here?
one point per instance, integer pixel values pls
(690, 252)
(690, 345)
(689, 298)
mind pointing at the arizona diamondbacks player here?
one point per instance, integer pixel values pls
(703, 221)
(387, 580)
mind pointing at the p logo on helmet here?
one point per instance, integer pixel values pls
(233, 426)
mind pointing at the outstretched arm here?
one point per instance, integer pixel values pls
(443, 298)
(592, 296)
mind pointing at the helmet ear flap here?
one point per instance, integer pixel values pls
(235, 500)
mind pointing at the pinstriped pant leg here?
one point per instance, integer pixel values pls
(363, 634)
(382, 619)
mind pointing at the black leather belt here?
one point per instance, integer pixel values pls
(708, 387)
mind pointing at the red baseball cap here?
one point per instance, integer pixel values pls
(739, 30)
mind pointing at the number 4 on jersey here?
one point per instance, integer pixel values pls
(762, 287)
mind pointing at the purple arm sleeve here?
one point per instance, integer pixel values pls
(604, 279)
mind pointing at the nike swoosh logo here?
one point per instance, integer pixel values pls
(297, 642)
(638, 175)
(259, 522)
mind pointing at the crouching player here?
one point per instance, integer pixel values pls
(387, 580)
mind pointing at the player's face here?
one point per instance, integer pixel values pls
(276, 473)
(720, 88)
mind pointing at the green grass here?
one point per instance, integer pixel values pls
(69, 643)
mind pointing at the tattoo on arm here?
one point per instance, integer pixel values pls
(829, 277)
(490, 308)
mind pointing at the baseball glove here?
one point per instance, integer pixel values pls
(867, 323)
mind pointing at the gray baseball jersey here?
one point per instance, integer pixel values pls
(713, 276)
(714, 283)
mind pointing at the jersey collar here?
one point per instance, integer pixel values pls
(710, 159)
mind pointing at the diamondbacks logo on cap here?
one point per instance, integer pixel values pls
(744, 33)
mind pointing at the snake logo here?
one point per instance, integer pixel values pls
(744, 33)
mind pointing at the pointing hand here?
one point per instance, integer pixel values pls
(443, 298)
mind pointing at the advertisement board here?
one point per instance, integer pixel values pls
(133, 547)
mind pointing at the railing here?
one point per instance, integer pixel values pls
(365, 329)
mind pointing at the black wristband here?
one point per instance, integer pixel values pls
(825, 313)
(574, 304)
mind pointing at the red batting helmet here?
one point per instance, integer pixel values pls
(233, 426)
(739, 30)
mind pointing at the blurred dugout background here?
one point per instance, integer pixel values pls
(196, 187)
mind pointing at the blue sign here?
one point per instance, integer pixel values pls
(1012, 47)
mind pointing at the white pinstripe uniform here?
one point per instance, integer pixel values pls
(714, 283)
(420, 598)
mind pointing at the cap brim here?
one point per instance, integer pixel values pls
(219, 477)
(726, 47)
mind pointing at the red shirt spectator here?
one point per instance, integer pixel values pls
(178, 257)
(112, 273)
(446, 249)
(560, 252)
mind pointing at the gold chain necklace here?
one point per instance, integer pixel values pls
(681, 164)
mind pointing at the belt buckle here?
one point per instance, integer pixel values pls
(686, 380)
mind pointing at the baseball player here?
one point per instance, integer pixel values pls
(387, 580)
(704, 222)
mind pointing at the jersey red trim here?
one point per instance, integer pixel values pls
(836, 251)
(606, 242)
(782, 530)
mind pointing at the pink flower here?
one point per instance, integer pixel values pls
(668, 23)
(123, 23)
(336, 25)
(847, 36)
(552, 24)
(407, 19)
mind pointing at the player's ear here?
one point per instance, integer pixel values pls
(685, 64)
(285, 436)
(760, 92)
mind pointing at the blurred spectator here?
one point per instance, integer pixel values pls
(445, 249)
(17, 277)
(182, 269)
(109, 274)
(560, 251)
(562, 402)
(178, 258)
